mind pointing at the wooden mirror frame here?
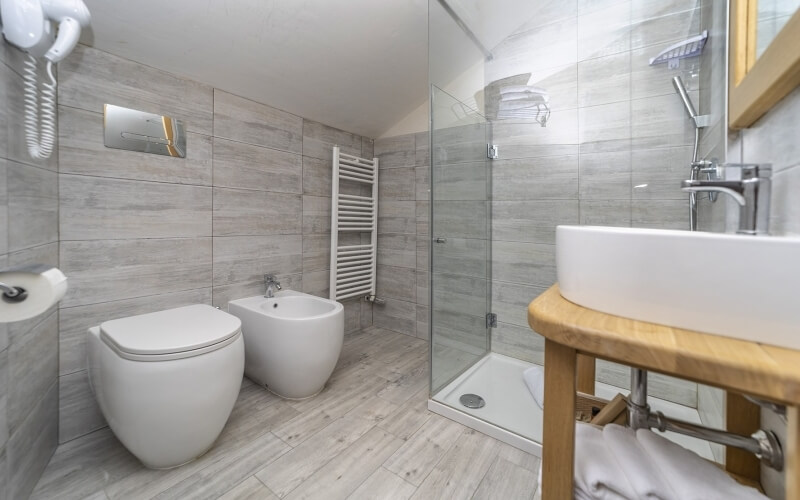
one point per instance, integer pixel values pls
(758, 84)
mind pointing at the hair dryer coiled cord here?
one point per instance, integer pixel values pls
(40, 141)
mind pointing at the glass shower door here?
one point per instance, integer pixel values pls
(460, 243)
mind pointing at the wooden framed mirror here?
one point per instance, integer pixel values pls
(764, 57)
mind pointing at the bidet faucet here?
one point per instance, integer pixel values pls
(269, 281)
(752, 193)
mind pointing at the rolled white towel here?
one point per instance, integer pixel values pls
(690, 476)
(534, 379)
(638, 466)
(597, 472)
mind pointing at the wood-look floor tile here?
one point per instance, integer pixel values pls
(507, 481)
(383, 485)
(420, 454)
(249, 489)
(292, 469)
(345, 473)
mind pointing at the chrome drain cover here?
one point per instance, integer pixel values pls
(472, 401)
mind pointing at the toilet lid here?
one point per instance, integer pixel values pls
(171, 331)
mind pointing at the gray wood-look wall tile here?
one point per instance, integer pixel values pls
(316, 252)
(106, 270)
(518, 342)
(31, 446)
(367, 148)
(32, 368)
(461, 219)
(422, 149)
(510, 301)
(317, 176)
(396, 282)
(785, 204)
(75, 321)
(81, 151)
(661, 121)
(466, 257)
(319, 139)
(4, 388)
(606, 127)
(518, 262)
(661, 214)
(604, 31)
(605, 213)
(605, 176)
(530, 140)
(397, 216)
(535, 179)
(240, 212)
(248, 258)
(32, 206)
(77, 404)
(604, 80)
(3, 208)
(90, 78)
(243, 120)
(245, 166)
(396, 315)
(94, 208)
(664, 29)
(657, 173)
(316, 215)
(317, 283)
(398, 250)
(397, 184)
(397, 151)
(536, 48)
(532, 221)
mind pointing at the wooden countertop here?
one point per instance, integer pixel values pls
(748, 367)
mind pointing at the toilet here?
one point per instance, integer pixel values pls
(167, 381)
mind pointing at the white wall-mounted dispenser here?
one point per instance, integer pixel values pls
(29, 25)
(29, 291)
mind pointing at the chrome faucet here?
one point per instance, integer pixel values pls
(269, 281)
(752, 193)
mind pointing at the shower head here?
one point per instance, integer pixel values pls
(687, 101)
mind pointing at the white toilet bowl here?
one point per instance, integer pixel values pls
(292, 341)
(166, 382)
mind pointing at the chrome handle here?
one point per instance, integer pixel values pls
(440, 240)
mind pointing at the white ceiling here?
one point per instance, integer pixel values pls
(358, 65)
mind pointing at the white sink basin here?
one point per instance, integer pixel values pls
(745, 287)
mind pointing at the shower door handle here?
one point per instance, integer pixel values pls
(440, 240)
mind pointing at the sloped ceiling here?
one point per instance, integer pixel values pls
(358, 65)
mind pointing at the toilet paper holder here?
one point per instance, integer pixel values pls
(13, 293)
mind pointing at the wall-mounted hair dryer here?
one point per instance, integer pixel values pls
(28, 24)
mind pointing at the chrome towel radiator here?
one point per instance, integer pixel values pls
(353, 266)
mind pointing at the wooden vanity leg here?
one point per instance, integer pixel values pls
(586, 365)
(742, 417)
(558, 435)
(791, 452)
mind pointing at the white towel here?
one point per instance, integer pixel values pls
(690, 476)
(534, 379)
(640, 469)
(597, 472)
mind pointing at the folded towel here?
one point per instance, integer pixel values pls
(534, 379)
(597, 472)
(690, 476)
(640, 469)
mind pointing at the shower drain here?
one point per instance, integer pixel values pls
(472, 401)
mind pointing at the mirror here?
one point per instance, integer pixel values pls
(764, 60)
(771, 17)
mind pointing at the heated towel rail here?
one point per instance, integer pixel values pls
(353, 266)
